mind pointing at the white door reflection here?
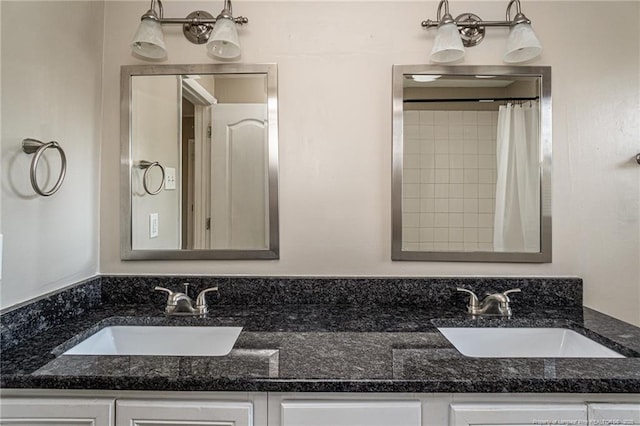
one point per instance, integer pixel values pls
(239, 213)
(225, 171)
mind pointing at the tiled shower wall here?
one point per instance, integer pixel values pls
(449, 178)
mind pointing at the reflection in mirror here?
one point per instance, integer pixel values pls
(471, 177)
(199, 159)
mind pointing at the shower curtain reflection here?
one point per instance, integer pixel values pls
(517, 210)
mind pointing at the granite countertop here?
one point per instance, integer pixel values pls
(318, 347)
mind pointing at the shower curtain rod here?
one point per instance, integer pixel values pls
(535, 98)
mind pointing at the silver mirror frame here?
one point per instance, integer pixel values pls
(126, 162)
(545, 254)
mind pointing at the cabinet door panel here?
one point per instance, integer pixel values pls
(135, 422)
(517, 414)
(350, 413)
(183, 413)
(614, 414)
(56, 412)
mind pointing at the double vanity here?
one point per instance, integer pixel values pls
(318, 351)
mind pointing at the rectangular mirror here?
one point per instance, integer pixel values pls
(471, 163)
(199, 165)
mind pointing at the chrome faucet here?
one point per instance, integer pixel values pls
(496, 304)
(179, 303)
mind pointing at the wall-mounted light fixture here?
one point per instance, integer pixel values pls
(198, 27)
(522, 43)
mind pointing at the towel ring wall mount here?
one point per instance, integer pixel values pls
(148, 165)
(34, 146)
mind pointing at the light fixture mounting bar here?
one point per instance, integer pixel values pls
(200, 21)
(471, 23)
(198, 25)
(472, 28)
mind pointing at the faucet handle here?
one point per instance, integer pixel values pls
(169, 292)
(172, 296)
(473, 301)
(513, 290)
(201, 301)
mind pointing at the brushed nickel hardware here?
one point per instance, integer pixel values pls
(198, 27)
(180, 304)
(496, 304)
(132, 205)
(406, 76)
(522, 44)
(31, 146)
(148, 165)
(201, 301)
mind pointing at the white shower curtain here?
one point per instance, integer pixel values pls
(517, 213)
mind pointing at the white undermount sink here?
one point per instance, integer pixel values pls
(161, 341)
(492, 342)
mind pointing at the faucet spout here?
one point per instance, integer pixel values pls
(495, 304)
(183, 304)
(178, 303)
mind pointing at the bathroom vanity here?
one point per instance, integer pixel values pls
(316, 352)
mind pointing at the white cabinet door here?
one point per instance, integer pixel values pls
(56, 412)
(517, 414)
(350, 413)
(614, 414)
(142, 412)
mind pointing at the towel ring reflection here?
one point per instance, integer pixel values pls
(31, 146)
(148, 165)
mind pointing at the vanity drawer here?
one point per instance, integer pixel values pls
(350, 413)
(148, 412)
(56, 411)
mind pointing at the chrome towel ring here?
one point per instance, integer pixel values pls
(148, 165)
(638, 158)
(31, 146)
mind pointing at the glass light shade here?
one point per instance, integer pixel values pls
(224, 42)
(447, 47)
(522, 44)
(149, 40)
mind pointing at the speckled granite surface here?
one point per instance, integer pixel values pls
(550, 292)
(47, 312)
(317, 335)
